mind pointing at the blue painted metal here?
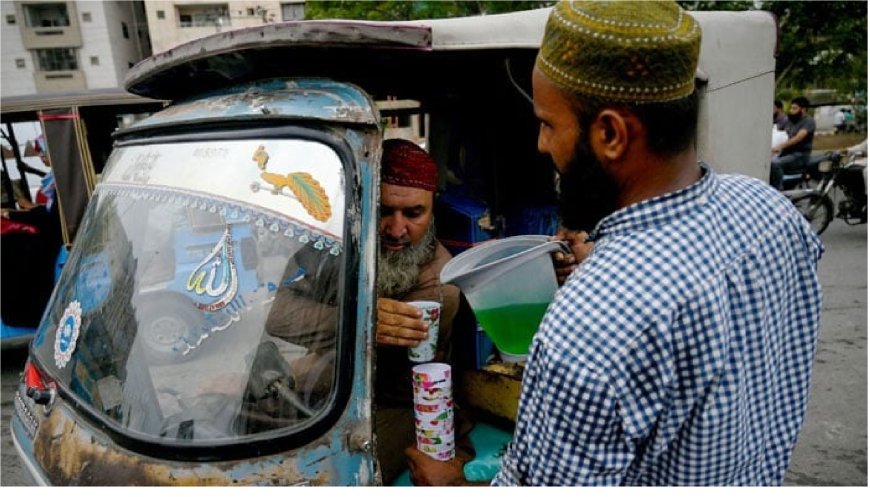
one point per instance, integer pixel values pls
(15, 336)
(277, 99)
(19, 336)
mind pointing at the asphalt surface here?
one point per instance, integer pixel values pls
(832, 448)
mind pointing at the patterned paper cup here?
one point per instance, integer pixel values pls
(438, 452)
(432, 395)
(432, 375)
(444, 441)
(441, 422)
(433, 408)
(445, 429)
(425, 352)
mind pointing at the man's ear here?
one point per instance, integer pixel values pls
(611, 134)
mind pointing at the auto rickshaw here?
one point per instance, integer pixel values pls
(154, 363)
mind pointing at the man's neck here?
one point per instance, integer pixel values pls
(648, 175)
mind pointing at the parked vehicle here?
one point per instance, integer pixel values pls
(75, 142)
(154, 364)
(835, 185)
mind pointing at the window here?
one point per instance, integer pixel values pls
(293, 11)
(206, 353)
(57, 59)
(10, 19)
(46, 15)
(125, 31)
(203, 15)
(161, 14)
(250, 12)
(19, 63)
(86, 17)
(95, 61)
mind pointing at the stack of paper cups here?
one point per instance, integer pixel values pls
(433, 410)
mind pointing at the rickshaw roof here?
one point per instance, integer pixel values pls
(244, 54)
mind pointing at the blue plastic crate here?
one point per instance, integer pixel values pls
(457, 221)
(540, 220)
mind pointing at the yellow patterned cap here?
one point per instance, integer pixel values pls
(622, 50)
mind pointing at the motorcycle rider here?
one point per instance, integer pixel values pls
(794, 153)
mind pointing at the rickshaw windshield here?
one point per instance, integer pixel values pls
(204, 295)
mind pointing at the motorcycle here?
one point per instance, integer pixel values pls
(831, 177)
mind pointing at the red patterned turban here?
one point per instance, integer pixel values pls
(406, 164)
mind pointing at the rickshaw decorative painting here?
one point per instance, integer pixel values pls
(67, 334)
(303, 186)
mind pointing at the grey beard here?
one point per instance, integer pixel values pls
(398, 271)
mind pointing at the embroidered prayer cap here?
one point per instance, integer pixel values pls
(630, 51)
(404, 163)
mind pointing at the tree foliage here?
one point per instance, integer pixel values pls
(822, 44)
(409, 10)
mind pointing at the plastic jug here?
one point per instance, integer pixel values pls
(509, 283)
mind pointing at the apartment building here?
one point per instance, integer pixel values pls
(172, 23)
(52, 46)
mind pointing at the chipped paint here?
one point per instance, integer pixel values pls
(308, 98)
(74, 454)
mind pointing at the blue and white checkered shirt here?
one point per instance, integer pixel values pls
(680, 351)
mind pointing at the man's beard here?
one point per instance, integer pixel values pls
(398, 271)
(795, 117)
(587, 194)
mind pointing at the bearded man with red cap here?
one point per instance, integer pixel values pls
(409, 267)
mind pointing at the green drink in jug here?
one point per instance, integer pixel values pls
(512, 327)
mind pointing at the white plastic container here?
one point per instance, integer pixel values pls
(509, 283)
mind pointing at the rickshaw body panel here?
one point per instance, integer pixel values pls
(74, 453)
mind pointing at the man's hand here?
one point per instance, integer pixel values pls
(427, 472)
(400, 324)
(580, 248)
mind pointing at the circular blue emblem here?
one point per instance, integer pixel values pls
(67, 334)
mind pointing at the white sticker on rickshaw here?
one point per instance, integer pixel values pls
(67, 334)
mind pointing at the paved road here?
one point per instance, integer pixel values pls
(832, 449)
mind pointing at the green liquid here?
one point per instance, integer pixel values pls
(512, 327)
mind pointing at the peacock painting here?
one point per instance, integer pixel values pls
(300, 185)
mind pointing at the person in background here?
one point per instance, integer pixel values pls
(794, 154)
(840, 120)
(679, 351)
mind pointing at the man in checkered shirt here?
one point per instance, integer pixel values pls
(679, 352)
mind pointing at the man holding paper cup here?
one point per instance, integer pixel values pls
(415, 311)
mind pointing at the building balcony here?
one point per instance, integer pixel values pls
(51, 37)
(58, 81)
